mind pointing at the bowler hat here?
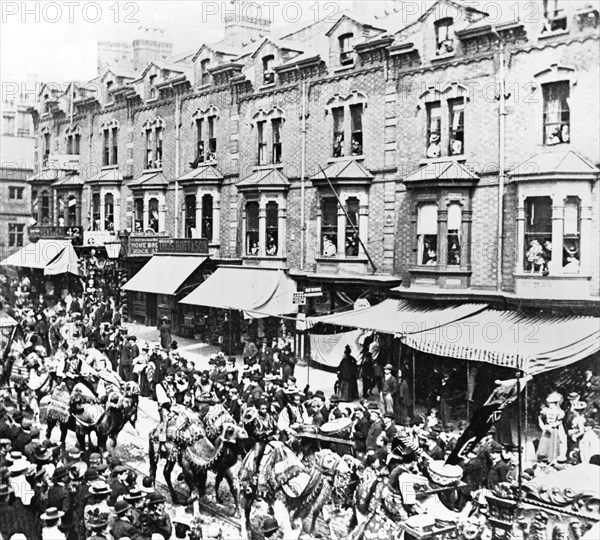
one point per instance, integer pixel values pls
(59, 473)
(269, 525)
(121, 507)
(155, 498)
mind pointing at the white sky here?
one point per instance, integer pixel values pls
(56, 40)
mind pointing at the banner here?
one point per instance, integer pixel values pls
(485, 417)
(328, 349)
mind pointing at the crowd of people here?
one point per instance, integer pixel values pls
(51, 491)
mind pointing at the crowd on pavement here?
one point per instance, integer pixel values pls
(51, 490)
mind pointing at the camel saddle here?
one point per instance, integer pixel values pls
(90, 415)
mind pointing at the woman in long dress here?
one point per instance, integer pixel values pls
(553, 441)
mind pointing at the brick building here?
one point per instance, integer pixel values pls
(389, 129)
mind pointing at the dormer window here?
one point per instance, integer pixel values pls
(204, 73)
(268, 72)
(444, 36)
(346, 50)
(152, 92)
(555, 16)
(109, 85)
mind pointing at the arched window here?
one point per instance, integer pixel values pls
(96, 212)
(207, 217)
(252, 225)
(352, 207)
(109, 212)
(153, 214)
(190, 216)
(272, 228)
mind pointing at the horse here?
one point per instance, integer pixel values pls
(305, 489)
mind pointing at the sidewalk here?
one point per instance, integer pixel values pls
(201, 352)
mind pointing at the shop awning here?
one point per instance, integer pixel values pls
(398, 317)
(534, 344)
(163, 274)
(259, 292)
(36, 255)
(67, 262)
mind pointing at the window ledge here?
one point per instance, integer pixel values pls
(265, 257)
(341, 259)
(443, 56)
(109, 167)
(152, 100)
(437, 269)
(204, 87)
(267, 86)
(426, 161)
(342, 69)
(157, 169)
(345, 158)
(267, 167)
(529, 275)
(555, 33)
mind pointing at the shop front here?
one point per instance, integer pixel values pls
(176, 267)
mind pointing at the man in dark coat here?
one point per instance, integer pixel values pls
(122, 527)
(360, 430)
(118, 484)
(389, 391)
(15, 517)
(375, 429)
(128, 353)
(60, 497)
(165, 334)
(499, 469)
(348, 376)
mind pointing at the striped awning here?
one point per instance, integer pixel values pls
(533, 344)
(399, 317)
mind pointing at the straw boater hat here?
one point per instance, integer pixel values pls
(554, 397)
(579, 405)
(51, 514)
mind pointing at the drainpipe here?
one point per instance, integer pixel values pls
(501, 159)
(303, 178)
(177, 139)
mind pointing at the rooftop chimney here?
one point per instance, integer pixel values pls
(244, 24)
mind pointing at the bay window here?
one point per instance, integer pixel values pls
(557, 115)
(138, 214)
(352, 208)
(190, 216)
(338, 131)
(207, 217)
(252, 228)
(272, 228)
(329, 226)
(427, 234)
(454, 234)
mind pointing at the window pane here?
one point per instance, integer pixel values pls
(153, 214)
(252, 236)
(571, 238)
(109, 212)
(454, 233)
(434, 128)
(538, 234)
(272, 226)
(277, 148)
(262, 143)
(329, 212)
(457, 126)
(427, 234)
(338, 131)
(356, 115)
(207, 217)
(190, 216)
(352, 208)
(139, 214)
(444, 36)
(557, 128)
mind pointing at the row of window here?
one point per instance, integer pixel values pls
(347, 123)
(206, 219)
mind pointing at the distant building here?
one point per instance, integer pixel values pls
(17, 162)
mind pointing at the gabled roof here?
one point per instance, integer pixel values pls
(566, 164)
(119, 71)
(180, 68)
(202, 173)
(442, 170)
(347, 170)
(264, 180)
(218, 48)
(281, 44)
(360, 20)
(149, 179)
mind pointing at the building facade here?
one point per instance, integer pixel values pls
(358, 154)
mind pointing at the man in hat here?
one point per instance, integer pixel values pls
(25, 436)
(118, 484)
(136, 498)
(572, 398)
(389, 390)
(261, 430)
(19, 484)
(128, 353)
(293, 414)
(99, 492)
(250, 352)
(52, 519)
(499, 469)
(589, 444)
(122, 526)
(60, 497)
(375, 429)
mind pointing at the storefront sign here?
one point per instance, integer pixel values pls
(361, 303)
(142, 246)
(192, 246)
(313, 292)
(299, 298)
(98, 238)
(49, 231)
